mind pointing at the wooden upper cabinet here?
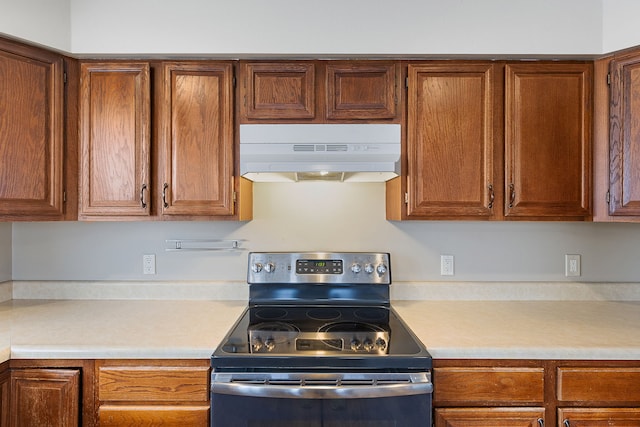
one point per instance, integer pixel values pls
(548, 115)
(624, 128)
(31, 133)
(361, 90)
(279, 90)
(197, 138)
(451, 136)
(114, 140)
(319, 91)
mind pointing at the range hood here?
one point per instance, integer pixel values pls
(340, 152)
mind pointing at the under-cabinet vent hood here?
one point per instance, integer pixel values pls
(329, 152)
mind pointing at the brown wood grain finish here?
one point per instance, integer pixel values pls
(153, 383)
(4, 394)
(278, 90)
(115, 139)
(548, 139)
(489, 417)
(450, 140)
(361, 90)
(611, 385)
(149, 415)
(198, 146)
(598, 417)
(45, 397)
(31, 133)
(624, 128)
(488, 385)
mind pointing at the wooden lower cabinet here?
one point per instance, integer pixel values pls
(45, 397)
(4, 394)
(153, 392)
(598, 417)
(489, 417)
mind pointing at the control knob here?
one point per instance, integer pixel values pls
(256, 268)
(355, 344)
(368, 268)
(356, 268)
(256, 345)
(269, 267)
(367, 345)
(269, 344)
(381, 269)
(381, 344)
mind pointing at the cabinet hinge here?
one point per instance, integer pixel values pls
(235, 197)
(234, 81)
(64, 78)
(406, 198)
(406, 82)
(608, 197)
(609, 79)
(64, 197)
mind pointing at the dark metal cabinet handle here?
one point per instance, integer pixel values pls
(164, 195)
(142, 202)
(566, 423)
(492, 196)
(540, 422)
(512, 195)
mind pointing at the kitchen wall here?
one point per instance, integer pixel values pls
(46, 22)
(337, 27)
(620, 24)
(5, 252)
(327, 216)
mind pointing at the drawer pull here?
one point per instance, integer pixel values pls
(540, 422)
(565, 423)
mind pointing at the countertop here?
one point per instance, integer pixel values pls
(78, 329)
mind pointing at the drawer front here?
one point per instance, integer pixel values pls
(599, 417)
(484, 385)
(134, 415)
(599, 385)
(153, 383)
(488, 417)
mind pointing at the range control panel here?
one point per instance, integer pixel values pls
(319, 267)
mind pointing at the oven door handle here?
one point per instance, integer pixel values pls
(251, 389)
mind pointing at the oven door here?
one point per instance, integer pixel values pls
(321, 400)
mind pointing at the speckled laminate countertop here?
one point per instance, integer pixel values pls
(81, 329)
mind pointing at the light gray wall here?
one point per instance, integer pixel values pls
(328, 216)
(5, 252)
(46, 22)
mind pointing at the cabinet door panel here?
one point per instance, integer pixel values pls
(31, 132)
(45, 397)
(115, 139)
(198, 139)
(624, 152)
(278, 90)
(612, 385)
(599, 417)
(450, 140)
(548, 139)
(361, 91)
(488, 417)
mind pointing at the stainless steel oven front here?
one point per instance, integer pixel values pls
(321, 399)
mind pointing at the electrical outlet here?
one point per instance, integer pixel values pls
(446, 265)
(149, 264)
(571, 265)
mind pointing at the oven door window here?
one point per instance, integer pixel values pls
(244, 411)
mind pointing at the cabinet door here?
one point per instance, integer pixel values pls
(4, 394)
(450, 140)
(489, 417)
(598, 417)
(198, 142)
(45, 397)
(548, 140)
(31, 133)
(362, 90)
(277, 90)
(624, 128)
(114, 140)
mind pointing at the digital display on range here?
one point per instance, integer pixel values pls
(319, 266)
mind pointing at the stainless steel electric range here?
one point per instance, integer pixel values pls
(320, 345)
